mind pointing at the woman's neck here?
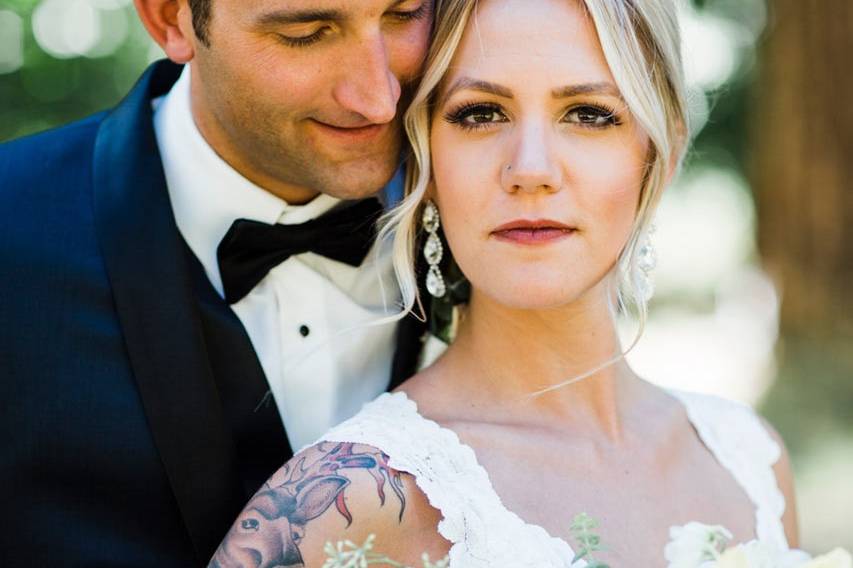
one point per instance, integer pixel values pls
(503, 355)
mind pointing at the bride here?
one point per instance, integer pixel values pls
(544, 133)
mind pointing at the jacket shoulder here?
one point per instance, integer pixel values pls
(45, 191)
(43, 156)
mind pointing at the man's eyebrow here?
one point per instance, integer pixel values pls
(285, 16)
(601, 88)
(478, 85)
(280, 17)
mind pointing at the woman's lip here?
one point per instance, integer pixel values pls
(533, 231)
(533, 225)
(533, 236)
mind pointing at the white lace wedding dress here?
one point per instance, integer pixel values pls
(483, 533)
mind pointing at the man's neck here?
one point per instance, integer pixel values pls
(237, 158)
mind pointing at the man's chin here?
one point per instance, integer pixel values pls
(355, 179)
(343, 170)
(360, 179)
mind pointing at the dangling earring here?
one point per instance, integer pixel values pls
(433, 250)
(647, 260)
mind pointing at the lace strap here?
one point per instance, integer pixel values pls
(483, 533)
(739, 441)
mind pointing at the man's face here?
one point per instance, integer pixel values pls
(302, 96)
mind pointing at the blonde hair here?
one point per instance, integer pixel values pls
(641, 43)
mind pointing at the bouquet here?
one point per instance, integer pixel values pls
(696, 545)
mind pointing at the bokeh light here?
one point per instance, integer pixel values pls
(72, 28)
(713, 324)
(66, 28)
(705, 231)
(11, 41)
(113, 32)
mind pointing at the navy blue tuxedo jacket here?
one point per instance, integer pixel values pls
(131, 429)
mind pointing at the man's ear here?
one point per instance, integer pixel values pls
(169, 22)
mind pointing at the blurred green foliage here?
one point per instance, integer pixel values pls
(47, 91)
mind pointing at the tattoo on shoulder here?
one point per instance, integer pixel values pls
(270, 528)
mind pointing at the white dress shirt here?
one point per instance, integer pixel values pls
(307, 318)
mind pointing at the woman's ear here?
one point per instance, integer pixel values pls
(169, 23)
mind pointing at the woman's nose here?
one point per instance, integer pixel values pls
(531, 166)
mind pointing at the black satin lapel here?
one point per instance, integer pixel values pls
(251, 411)
(153, 296)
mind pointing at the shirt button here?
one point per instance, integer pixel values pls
(304, 330)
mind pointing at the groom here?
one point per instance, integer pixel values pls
(186, 278)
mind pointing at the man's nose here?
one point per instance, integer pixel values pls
(368, 86)
(531, 165)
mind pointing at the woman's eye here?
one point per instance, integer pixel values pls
(592, 116)
(482, 116)
(476, 116)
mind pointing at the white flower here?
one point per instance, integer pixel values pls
(695, 544)
(735, 557)
(754, 554)
(838, 558)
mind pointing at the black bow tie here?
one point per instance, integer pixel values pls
(251, 249)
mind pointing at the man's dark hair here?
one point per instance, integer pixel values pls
(201, 18)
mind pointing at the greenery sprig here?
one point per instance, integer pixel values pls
(583, 530)
(346, 554)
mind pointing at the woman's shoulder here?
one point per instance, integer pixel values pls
(328, 493)
(749, 445)
(729, 425)
(387, 414)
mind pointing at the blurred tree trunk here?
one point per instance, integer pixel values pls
(802, 172)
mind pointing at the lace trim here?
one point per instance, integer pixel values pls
(482, 531)
(739, 441)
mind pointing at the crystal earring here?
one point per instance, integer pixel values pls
(647, 261)
(433, 250)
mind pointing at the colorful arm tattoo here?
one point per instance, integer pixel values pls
(268, 531)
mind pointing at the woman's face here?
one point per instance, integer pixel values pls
(537, 163)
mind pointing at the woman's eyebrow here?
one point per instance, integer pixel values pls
(600, 88)
(568, 91)
(471, 84)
